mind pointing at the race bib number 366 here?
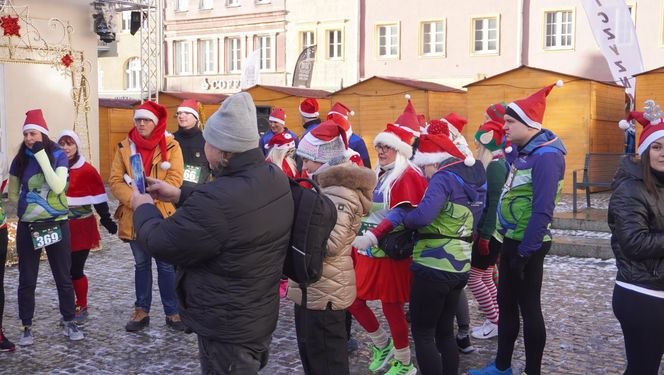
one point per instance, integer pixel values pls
(192, 173)
(45, 236)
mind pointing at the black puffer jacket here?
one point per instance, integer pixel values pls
(636, 220)
(228, 239)
(192, 144)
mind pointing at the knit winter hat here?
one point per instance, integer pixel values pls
(530, 111)
(492, 136)
(34, 120)
(159, 115)
(434, 148)
(340, 109)
(496, 112)
(309, 108)
(233, 127)
(189, 106)
(654, 130)
(278, 115)
(326, 142)
(281, 141)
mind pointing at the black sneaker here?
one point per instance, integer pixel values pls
(464, 345)
(5, 344)
(175, 323)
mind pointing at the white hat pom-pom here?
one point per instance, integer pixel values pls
(560, 83)
(407, 96)
(469, 161)
(165, 165)
(623, 124)
(351, 113)
(508, 149)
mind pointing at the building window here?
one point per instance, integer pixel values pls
(334, 44)
(433, 38)
(232, 3)
(558, 33)
(182, 57)
(234, 55)
(205, 4)
(388, 40)
(181, 5)
(485, 35)
(207, 59)
(126, 22)
(133, 74)
(307, 39)
(264, 45)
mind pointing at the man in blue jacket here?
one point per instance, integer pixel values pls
(525, 211)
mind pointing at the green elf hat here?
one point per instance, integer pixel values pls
(492, 136)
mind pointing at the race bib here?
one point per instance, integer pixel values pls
(45, 235)
(192, 173)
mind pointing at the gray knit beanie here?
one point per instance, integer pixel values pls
(233, 127)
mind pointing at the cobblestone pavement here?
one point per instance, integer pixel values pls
(583, 335)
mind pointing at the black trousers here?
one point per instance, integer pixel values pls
(514, 295)
(433, 305)
(222, 358)
(78, 259)
(321, 340)
(640, 317)
(59, 258)
(3, 260)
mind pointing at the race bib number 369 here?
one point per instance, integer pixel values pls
(45, 236)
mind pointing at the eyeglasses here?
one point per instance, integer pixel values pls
(382, 148)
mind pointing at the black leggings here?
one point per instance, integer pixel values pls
(3, 260)
(78, 259)
(640, 317)
(515, 294)
(432, 309)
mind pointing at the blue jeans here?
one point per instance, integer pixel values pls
(143, 281)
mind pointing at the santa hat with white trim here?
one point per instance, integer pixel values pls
(189, 106)
(278, 115)
(34, 120)
(434, 148)
(530, 111)
(654, 130)
(326, 142)
(159, 115)
(340, 109)
(74, 136)
(309, 108)
(281, 141)
(634, 115)
(408, 119)
(442, 128)
(401, 135)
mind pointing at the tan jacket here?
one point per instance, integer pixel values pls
(174, 176)
(350, 188)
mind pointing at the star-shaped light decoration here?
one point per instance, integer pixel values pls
(10, 26)
(67, 60)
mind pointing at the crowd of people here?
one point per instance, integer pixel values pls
(431, 218)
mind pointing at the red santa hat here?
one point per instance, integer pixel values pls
(530, 111)
(434, 148)
(446, 128)
(278, 115)
(326, 142)
(34, 120)
(159, 115)
(281, 141)
(492, 136)
(309, 108)
(408, 119)
(455, 120)
(423, 123)
(398, 138)
(634, 115)
(189, 106)
(654, 129)
(496, 112)
(340, 109)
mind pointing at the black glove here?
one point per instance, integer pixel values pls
(37, 146)
(110, 225)
(518, 265)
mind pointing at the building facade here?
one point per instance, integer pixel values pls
(207, 43)
(119, 72)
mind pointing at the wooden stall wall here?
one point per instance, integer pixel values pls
(114, 124)
(442, 103)
(606, 110)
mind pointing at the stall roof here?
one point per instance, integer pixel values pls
(204, 98)
(420, 85)
(541, 70)
(296, 91)
(118, 103)
(649, 71)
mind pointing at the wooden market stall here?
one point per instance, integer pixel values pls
(583, 113)
(380, 100)
(288, 98)
(171, 100)
(116, 118)
(649, 85)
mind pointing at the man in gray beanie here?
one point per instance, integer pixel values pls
(228, 239)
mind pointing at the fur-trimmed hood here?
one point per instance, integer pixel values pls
(348, 175)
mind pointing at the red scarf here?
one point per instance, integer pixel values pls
(146, 147)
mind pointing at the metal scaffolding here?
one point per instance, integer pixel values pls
(150, 34)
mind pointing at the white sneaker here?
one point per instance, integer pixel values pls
(71, 330)
(26, 337)
(486, 331)
(486, 321)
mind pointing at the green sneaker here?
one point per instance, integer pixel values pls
(399, 368)
(380, 358)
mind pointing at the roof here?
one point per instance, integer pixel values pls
(419, 85)
(118, 103)
(541, 70)
(204, 98)
(296, 91)
(649, 71)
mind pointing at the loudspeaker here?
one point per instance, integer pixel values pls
(136, 21)
(263, 118)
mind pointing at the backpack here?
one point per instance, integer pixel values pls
(313, 220)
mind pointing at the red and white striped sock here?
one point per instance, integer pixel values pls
(483, 294)
(487, 279)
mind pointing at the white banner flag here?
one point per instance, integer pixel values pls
(251, 74)
(613, 29)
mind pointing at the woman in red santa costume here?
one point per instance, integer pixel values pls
(379, 277)
(281, 150)
(86, 189)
